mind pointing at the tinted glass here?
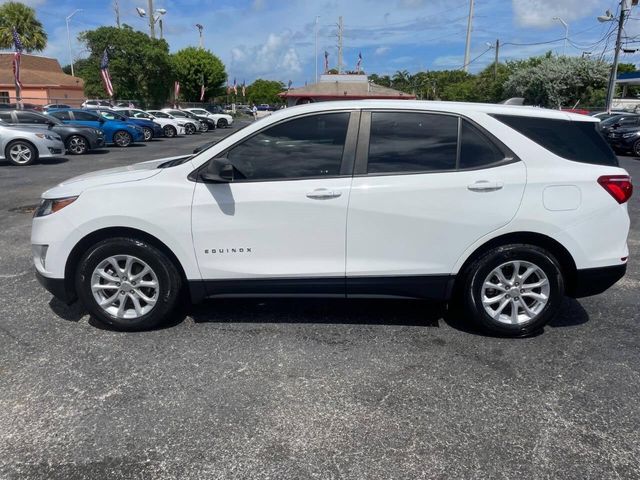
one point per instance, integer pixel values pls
(63, 115)
(28, 117)
(138, 114)
(6, 117)
(305, 147)
(573, 140)
(476, 150)
(412, 142)
(85, 116)
(160, 115)
(628, 121)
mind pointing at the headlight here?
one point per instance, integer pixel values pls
(630, 135)
(47, 136)
(99, 132)
(52, 205)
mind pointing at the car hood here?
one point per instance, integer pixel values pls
(130, 173)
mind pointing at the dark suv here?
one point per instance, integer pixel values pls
(77, 139)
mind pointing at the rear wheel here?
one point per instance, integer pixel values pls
(148, 133)
(127, 284)
(21, 153)
(513, 290)
(77, 145)
(169, 131)
(122, 138)
(222, 123)
(636, 149)
(189, 129)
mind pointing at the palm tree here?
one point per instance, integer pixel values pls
(23, 18)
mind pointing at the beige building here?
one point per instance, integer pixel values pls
(342, 87)
(43, 81)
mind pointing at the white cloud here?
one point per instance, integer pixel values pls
(275, 55)
(540, 13)
(382, 50)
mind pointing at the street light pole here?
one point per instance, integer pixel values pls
(467, 49)
(200, 27)
(566, 34)
(614, 68)
(317, 18)
(69, 40)
(152, 22)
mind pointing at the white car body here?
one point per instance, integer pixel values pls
(163, 122)
(47, 144)
(216, 117)
(399, 235)
(183, 122)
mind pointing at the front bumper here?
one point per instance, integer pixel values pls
(57, 287)
(623, 144)
(51, 148)
(592, 281)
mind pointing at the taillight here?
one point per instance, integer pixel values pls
(618, 186)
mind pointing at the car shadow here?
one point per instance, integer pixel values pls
(100, 151)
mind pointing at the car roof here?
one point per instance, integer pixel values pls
(460, 108)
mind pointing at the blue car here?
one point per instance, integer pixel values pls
(151, 129)
(121, 134)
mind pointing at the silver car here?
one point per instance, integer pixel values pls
(24, 145)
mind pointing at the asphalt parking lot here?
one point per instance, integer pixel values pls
(301, 389)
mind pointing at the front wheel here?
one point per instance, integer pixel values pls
(169, 131)
(205, 127)
(636, 149)
(513, 290)
(122, 138)
(148, 133)
(189, 129)
(21, 153)
(222, 123)
(77, 145)
(127, 284)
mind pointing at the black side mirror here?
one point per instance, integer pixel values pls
(219, 170)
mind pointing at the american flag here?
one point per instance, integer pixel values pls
(326, 61)
(235, 86)
(359, 64)
(104, 71)
(202, 92)
(16, 57)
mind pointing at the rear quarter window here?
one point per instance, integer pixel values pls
(574, 140)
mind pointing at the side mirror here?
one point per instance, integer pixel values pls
(219, 170)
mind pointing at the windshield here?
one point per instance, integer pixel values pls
(113, 116)
(161, 114)
(612, 120)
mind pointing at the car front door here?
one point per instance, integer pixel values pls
(427, 186)
(86, 119)
(280, 224)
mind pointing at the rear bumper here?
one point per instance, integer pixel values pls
(592, 281)
(57, 287)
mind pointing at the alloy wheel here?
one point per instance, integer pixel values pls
(122, 139)
(515, 292)
(77, 145)
(169, 131)
(189, 129)
(125, 287)
(148, 134)
(20, 154)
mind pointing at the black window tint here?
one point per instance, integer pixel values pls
(412, 142)
(628, 121)
(61, 115)
(305, 147)
(27, 117)
(476, 150)
(573, 140)
(85, 116)
(6, 117)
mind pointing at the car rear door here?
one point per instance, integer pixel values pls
(426, 187)
(280, 225)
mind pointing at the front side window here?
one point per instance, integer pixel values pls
(62, 115)
(403, 142)
(85, 116)
(6, 117)
(139, 114)
(27, 117)
(310, 146)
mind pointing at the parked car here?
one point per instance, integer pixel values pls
(150, 129)
(24, 106)
(500, 210)
(77, 140)
(606, 115)
(22, 146)
(198, 125)
(624, 138)
(54, 105)
(208, 123)
(96, 104)
(220, 120)
(618, 121)
(170, 126)
(121, 134)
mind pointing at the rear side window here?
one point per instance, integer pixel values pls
(6, 117)
(476, 150)
(412, 142)
(63, 115)
(573, 140)
(85, 116)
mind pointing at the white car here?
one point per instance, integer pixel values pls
(502, 209)
(222, 119)
(97, 104)
(189, 125)
(170, 126)
(22, 145)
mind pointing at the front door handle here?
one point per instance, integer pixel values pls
(323, 194)
(485, 186)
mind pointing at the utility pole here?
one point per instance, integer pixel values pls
(495, 62)
(152, 22)
(467, 50)
(69, 39)
(614, 68)
(340, 33)
(317, 18)
(116, 7)
(199, 26)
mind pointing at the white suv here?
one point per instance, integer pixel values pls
(222, 119)
(504, 209)
(171, 127)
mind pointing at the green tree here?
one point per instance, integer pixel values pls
(192, 66)
(140, 67)
(265, 91)
(383, 81)
(23, 18)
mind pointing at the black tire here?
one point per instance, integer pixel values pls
(189, 129)
(122, 138)
(169, 131)
(204, 127)
(77, 145)
(20, 153)
(474, 276)
(636, 149)
(148, 134)
(168, 280)
(222, 123)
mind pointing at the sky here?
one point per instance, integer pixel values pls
(275, 39)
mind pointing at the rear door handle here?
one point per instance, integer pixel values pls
(485, 186)
(323, 194)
